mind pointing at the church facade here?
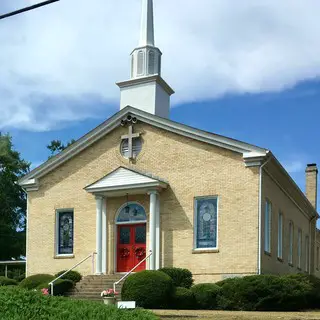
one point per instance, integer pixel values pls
(142, 185)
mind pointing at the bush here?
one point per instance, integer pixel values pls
(180, 277)
(183, 299)
(205, 295)
(60, 287)
(74, 276)
(150, 289)
(33, 282)
(20, 304)
(264, 293)
(7, 282)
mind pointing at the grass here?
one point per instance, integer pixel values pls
(224, 315)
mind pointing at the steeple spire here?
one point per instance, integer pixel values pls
(146, 90)
(147, 26)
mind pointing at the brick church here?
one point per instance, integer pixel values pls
(143, 185)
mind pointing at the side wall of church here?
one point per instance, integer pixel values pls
(282, 202)
(192, 169)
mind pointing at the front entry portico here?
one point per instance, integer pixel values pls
(137, 232)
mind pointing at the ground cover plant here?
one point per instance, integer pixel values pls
(20, 304)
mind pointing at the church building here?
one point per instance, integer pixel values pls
(141, 185)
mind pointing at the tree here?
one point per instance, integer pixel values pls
(12, 201)
(56, 146)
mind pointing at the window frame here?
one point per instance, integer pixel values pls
(299, 248)
(291, 243)
(307, 249)
(57, 229)
(267, 226)
(195, 224)
(280, 235)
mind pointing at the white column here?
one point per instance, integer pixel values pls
(104, 237)
(157, 255)
(152, 229)
(99, 201)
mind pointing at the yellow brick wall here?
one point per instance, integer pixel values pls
(192, 169)
(281, 202)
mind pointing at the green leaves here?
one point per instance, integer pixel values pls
(12, 200)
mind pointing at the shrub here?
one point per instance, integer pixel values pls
(183, 299)
(180, 277)
(19, 304)
(7, 282)
(33, 282)
(60, 287)
(264, 293)
(150, 289)
(74, 276)
(205, 295)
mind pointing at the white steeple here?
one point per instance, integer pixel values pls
(147, 27)
(146, 89)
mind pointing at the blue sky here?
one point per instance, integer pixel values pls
(248, 70)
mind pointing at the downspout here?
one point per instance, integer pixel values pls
(260, 214)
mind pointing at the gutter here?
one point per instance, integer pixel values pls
(260, 214)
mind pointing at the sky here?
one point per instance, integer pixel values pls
(246, 69)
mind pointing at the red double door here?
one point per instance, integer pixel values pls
(131, 247)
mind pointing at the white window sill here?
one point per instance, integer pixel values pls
(199, 251)
(64, 256)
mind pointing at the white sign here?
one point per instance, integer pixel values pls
(126, 304)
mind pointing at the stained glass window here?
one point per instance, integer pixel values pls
(206, 222)
(140, 237)
(65, 232)
(125, 235)
(132, 212)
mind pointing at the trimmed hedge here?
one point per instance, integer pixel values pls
(19, 304)
(206, 295)
(183, 299)
(181, 277)
(7, 282)
(264, 293)
(74, 276)
(60, 287)
(34, 281)
(150, 289)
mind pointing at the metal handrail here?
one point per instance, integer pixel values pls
(129, 272)
(10, 263)
(76, 265)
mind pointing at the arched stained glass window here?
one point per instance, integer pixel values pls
(132, 212)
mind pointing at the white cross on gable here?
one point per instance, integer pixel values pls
(130, 136)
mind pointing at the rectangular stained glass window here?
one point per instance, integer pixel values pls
(299, 248)
(65, 232)
(280, 229)
(206, 215)
(307, 254)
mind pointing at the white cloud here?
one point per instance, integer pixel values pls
(58, 61)
(295, 166)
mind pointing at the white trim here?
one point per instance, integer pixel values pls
(152, 228)
(99, 201)
(195, 226)
(27, 234)
(158, 233)
(56, 237)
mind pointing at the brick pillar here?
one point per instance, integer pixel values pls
(312, 183)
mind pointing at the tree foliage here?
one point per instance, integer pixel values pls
(56, 146)
(12, 201)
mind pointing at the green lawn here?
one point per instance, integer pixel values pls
(222, 315)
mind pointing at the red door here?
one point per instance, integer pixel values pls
(131, 247)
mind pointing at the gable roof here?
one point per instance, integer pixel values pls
(123, 179)
(248, 150)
